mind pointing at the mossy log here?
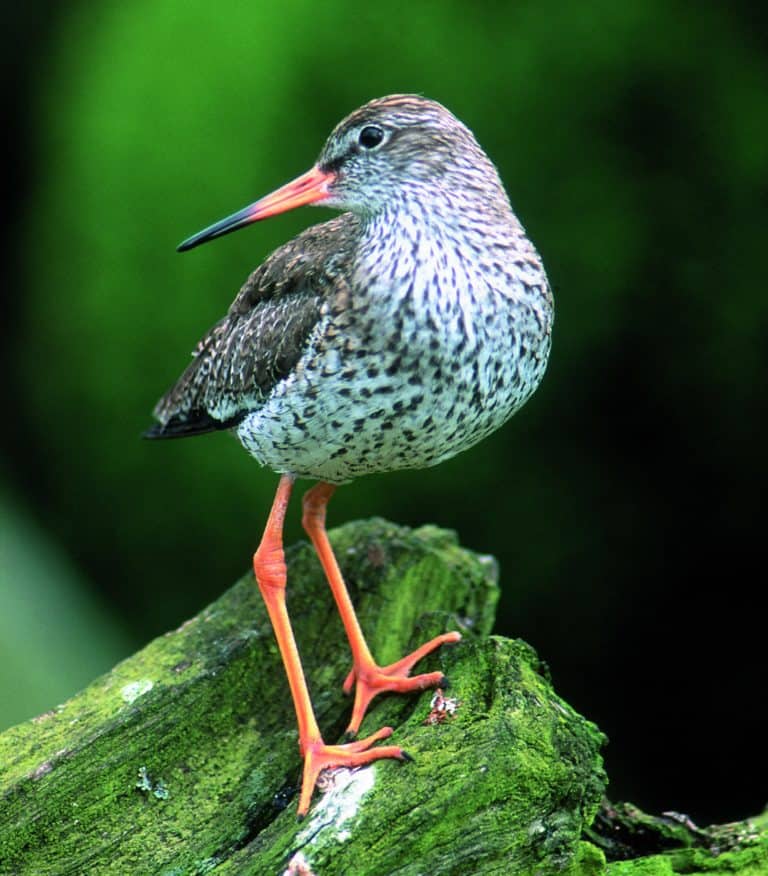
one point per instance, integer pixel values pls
(638, 844)
(183, 759)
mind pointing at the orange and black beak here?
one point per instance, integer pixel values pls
(309, 188)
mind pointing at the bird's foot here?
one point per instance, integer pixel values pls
(318, 757)
(369, 679)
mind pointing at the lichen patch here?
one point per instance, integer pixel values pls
(134, 690)
(333, 813)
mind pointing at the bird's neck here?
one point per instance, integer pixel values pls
(435, 232)
(438, 210)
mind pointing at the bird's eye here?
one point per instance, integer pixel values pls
(371, 136)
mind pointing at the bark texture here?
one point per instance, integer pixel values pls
(183, 759)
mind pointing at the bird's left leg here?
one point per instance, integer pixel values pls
(368, 677)
(269, 567)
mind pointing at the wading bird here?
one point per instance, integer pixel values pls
(393, 336)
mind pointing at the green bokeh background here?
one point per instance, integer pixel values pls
(625, 503)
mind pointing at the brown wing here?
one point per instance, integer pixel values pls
(263, 336)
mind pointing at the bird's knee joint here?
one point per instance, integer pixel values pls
(270, 570)
(313, 513)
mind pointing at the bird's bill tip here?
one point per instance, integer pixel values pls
(309, 188)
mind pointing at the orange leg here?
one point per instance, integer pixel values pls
(269, 566)
(370, 678)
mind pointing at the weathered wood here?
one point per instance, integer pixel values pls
(183, 759)
(639, 844)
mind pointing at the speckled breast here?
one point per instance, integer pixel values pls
(407, 376)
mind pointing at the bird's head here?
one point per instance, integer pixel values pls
(398, 147)
(389, 150)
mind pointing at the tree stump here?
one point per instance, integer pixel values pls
(184, 760)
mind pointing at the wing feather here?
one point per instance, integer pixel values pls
(263, 336)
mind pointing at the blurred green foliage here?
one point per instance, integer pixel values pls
(55, 633)
(633, 141)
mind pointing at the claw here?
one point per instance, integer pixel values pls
(319, 756)
(370, 679)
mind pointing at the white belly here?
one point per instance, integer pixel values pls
(416, 383)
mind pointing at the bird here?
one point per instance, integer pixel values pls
(392, 336)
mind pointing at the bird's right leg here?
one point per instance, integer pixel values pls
(269, 567)
(367, 677)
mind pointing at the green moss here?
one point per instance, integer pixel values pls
(588, 861)
(490, 790)
(182, 758)
(750, 858)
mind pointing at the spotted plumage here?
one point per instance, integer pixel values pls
(393, 336)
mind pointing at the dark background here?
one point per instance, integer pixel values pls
(625, 503)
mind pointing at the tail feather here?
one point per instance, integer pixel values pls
(192, 423)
